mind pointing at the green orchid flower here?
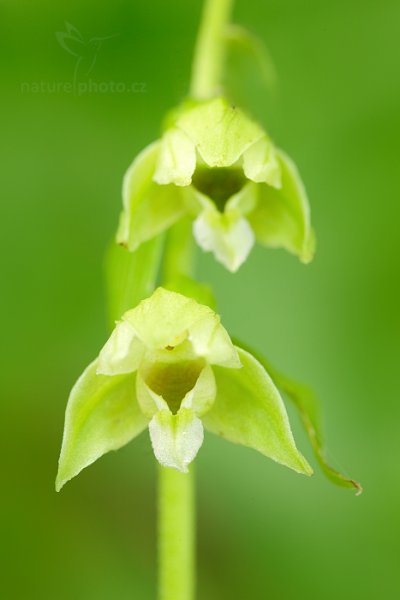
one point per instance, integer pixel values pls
(170, 365)
(216, 165)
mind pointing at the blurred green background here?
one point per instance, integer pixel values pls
(264, 532)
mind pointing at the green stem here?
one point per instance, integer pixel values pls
(176, 515)
(209, 53)
(176, 512)
(178, 255)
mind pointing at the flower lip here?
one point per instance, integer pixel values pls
(218, 183)
(172, 381)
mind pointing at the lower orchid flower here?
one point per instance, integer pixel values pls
(170, 365)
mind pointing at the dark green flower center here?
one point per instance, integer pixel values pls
(219, 183)
(173, 381)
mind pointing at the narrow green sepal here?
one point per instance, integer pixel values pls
(102, 415)
(282, 216)
(308, 407)
(148, 208)
(249, 411)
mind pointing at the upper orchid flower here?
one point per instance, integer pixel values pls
(171, 366)
(220, 167)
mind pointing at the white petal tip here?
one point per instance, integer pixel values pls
(176, 439)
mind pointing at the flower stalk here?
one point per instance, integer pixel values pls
(209, 53)
(176, 494)
(176, 503)
(176, 523)
(179, 252)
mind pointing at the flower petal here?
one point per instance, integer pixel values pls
(244, 201)
(150, 403)
(220, 132)
(211, 340)
(177, 159)
(260, 163)
(199, 399)
(102, 415)
(176, 439)
(165, 318)
(228, 236)
(122, 352)
(202, 396)
(282, 217)
(249, 410)
(149, 208)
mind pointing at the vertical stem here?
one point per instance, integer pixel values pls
(209, 53)
(176, 534)
(176, 512)
(179, 254)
